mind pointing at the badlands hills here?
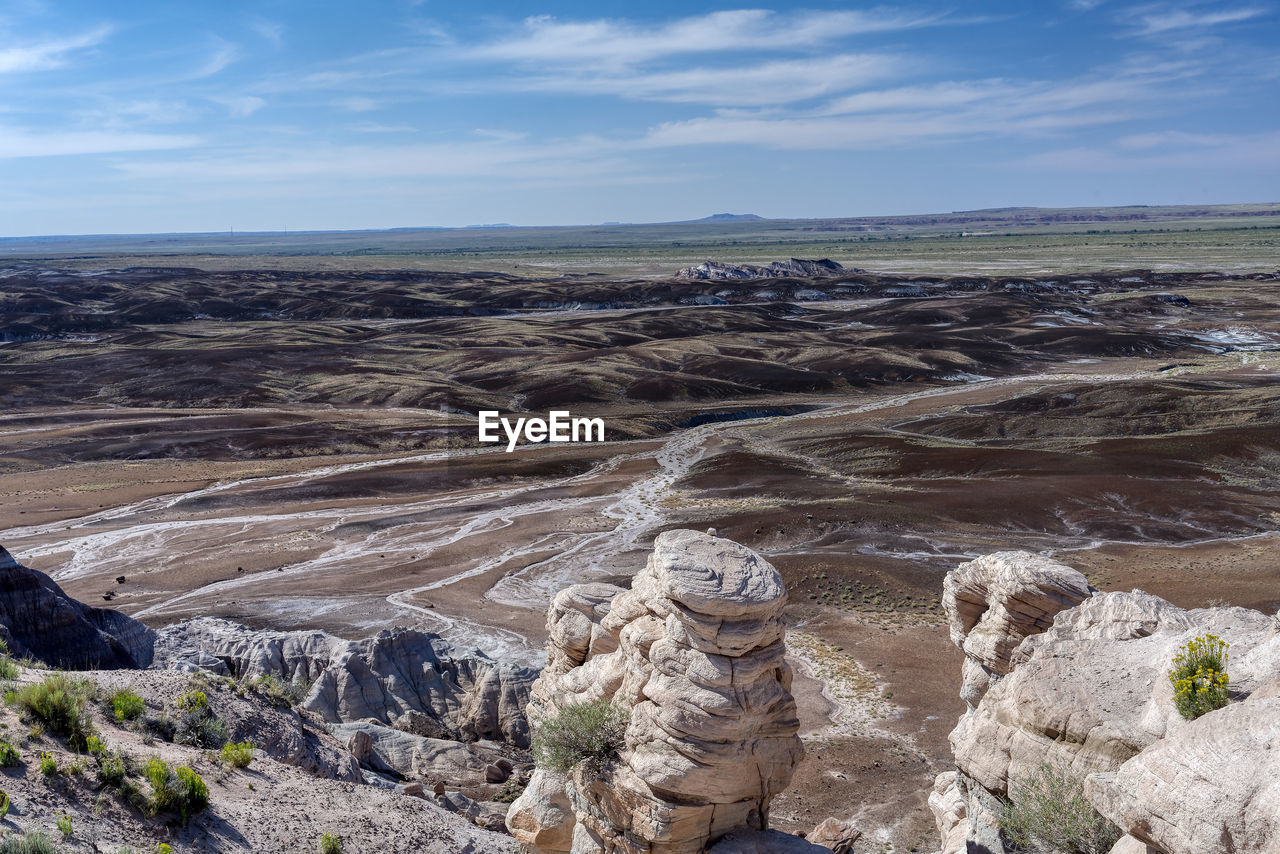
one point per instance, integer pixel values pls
(294, 451)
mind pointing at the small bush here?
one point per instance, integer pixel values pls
(201, 728)
(1199, 676)
(1051, 814)
(8, 754)
(238, 755)
(48, 765)
(590, 733)
(330, 843)
(28, 843)
(192, 701)
(127, 706)
(279, 692)
(59, 704)
(112, 770)
(64, 825)
(9, 668)
(181, 790)
(510, 791)
(4, 803)
(159, 726)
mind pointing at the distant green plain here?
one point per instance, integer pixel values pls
(1020, 241)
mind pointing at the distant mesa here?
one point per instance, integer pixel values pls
(775, 270)
(728, 217)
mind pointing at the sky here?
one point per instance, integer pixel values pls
(139, 116)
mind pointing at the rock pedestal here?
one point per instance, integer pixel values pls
(694, 653)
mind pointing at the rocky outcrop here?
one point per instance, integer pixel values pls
(402, 678)
(1212, 787)
(774, 270)
(992, 603)
(699, 668)
(38, 620)
(1084, 688)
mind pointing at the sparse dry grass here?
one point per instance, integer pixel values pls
(858, 698)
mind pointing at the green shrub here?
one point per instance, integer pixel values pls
(330, 843)
(590, 733)
(48, 765)
(127, 705)
(238, 755)
(510, 791)
(1049, 813)
(28, 843)
(112, 770)
(4, 803)
(8, 754)
(192, 701)
(9, 668)
(175, 790)
(1199, 676)
(59, 704)
(279, 692)
(201, 728)
(64, 825)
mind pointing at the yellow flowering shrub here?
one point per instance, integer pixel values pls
(1199, 676)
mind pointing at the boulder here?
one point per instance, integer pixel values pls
(835, 835)
(38, 620)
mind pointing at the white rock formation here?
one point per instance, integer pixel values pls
(404, 678)
(1085, 688)
(699, 667)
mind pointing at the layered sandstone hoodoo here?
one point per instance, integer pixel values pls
(1085, 689)
(38, 620)
(694, 653)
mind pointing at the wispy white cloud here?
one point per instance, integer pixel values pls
(478, 158)
(240, 106)
(224, 53)
(1154, 20)
(1166, 150)
(776, 82)
(271, 31)
(947, 111)
(545, 39)
(15, 143)
(52, 53)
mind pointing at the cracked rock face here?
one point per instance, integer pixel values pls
(694, 652)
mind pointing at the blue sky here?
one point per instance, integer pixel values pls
(141, 116)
